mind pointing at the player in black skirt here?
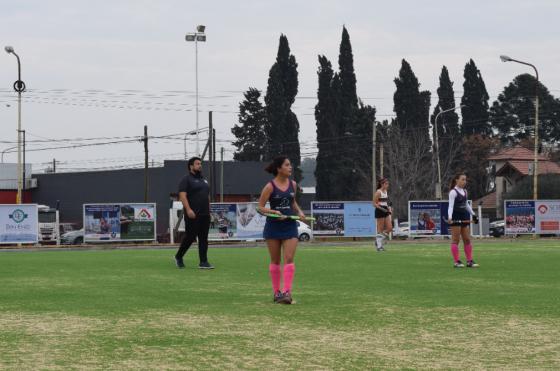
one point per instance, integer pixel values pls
(459, 219)
(382, 213)
(280, 192)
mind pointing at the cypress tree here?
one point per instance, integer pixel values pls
(449, 133)
(282, 126)
(324, 115)
(475, 101)
(250, 134)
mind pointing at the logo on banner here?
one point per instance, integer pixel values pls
(143, 214)
(18, 216)
(543, 209)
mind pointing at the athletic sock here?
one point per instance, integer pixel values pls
(289, 271)
(275, 276)
(379, 239)
(455, 252)
(468, 251)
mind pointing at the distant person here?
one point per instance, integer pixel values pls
(382, 213)
(281, 232)
(194, 194)
(459, 218)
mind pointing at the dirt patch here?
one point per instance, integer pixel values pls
(439, 339)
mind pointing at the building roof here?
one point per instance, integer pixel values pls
(487, 202)
(522, 167)
(517, 153)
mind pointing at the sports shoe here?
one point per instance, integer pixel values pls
(286, 298)
(205, 265)
(459, 264)
(380, 248)
(472, 264)
(179, 263)
(278, 297)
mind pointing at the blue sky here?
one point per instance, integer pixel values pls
(107, 68)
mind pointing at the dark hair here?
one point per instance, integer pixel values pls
(192, 160)
(456, 177)
(276, 163)
(381, 181)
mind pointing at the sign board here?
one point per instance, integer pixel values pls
(119, 222)
(19, 223)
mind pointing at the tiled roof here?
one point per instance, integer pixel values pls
(488, 201)
(516, 153)
(522, 167)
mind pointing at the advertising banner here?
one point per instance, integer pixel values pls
(19, 224)
(329, 218)
(547, 217)
(519, 217)
(250, 224)
(119, 222)
(427, 218)
(348, 219)
(223, 222)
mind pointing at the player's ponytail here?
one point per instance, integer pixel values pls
(380, 182)
(456, 177)
(276, 164)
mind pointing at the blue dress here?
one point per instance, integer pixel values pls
(281, 200)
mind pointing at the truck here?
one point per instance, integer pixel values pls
(49, 231)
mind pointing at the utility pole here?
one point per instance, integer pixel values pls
(381, 159)
(23, 186)
(210, 154)
(54, 165)
(145, 140)
(222, 174)
(373, 160)
(214, 165)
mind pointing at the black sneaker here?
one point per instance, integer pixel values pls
(286, 298)
(459, 264)
(179, 263)
(205, 265)
(472, 264)
(278, 297)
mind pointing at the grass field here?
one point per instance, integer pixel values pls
(406, 308)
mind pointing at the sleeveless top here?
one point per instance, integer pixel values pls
(384, 199)
(282, 200)
(460, 205)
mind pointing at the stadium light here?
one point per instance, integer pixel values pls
(19, 87)
(505, 58)
(196, 37)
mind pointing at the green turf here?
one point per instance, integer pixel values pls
(406, 308)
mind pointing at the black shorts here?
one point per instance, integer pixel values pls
(381, 214)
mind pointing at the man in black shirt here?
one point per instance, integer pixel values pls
(194, 193)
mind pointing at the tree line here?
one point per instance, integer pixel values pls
(344, 127)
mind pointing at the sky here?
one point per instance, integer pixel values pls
(97, 72)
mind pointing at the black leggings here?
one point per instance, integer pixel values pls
(196, 229)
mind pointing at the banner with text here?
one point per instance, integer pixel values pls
(348, 219)
(119, 222)
(19, 224)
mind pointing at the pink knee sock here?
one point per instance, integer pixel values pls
(289, 271)
(468, 251)
(275, 276)
(455, 251)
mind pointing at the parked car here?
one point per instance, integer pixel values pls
(497, 228)
(73, 237)
(304, 231)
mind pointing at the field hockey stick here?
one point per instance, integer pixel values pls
(293, 217)
(465, 222)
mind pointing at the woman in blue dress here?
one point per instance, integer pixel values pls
(281, 232)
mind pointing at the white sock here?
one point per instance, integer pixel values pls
(379, 239)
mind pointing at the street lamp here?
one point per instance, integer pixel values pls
(19, 87)
(505, 58)
(438, 185)
(197, 36)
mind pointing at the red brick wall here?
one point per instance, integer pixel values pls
(9, 197)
